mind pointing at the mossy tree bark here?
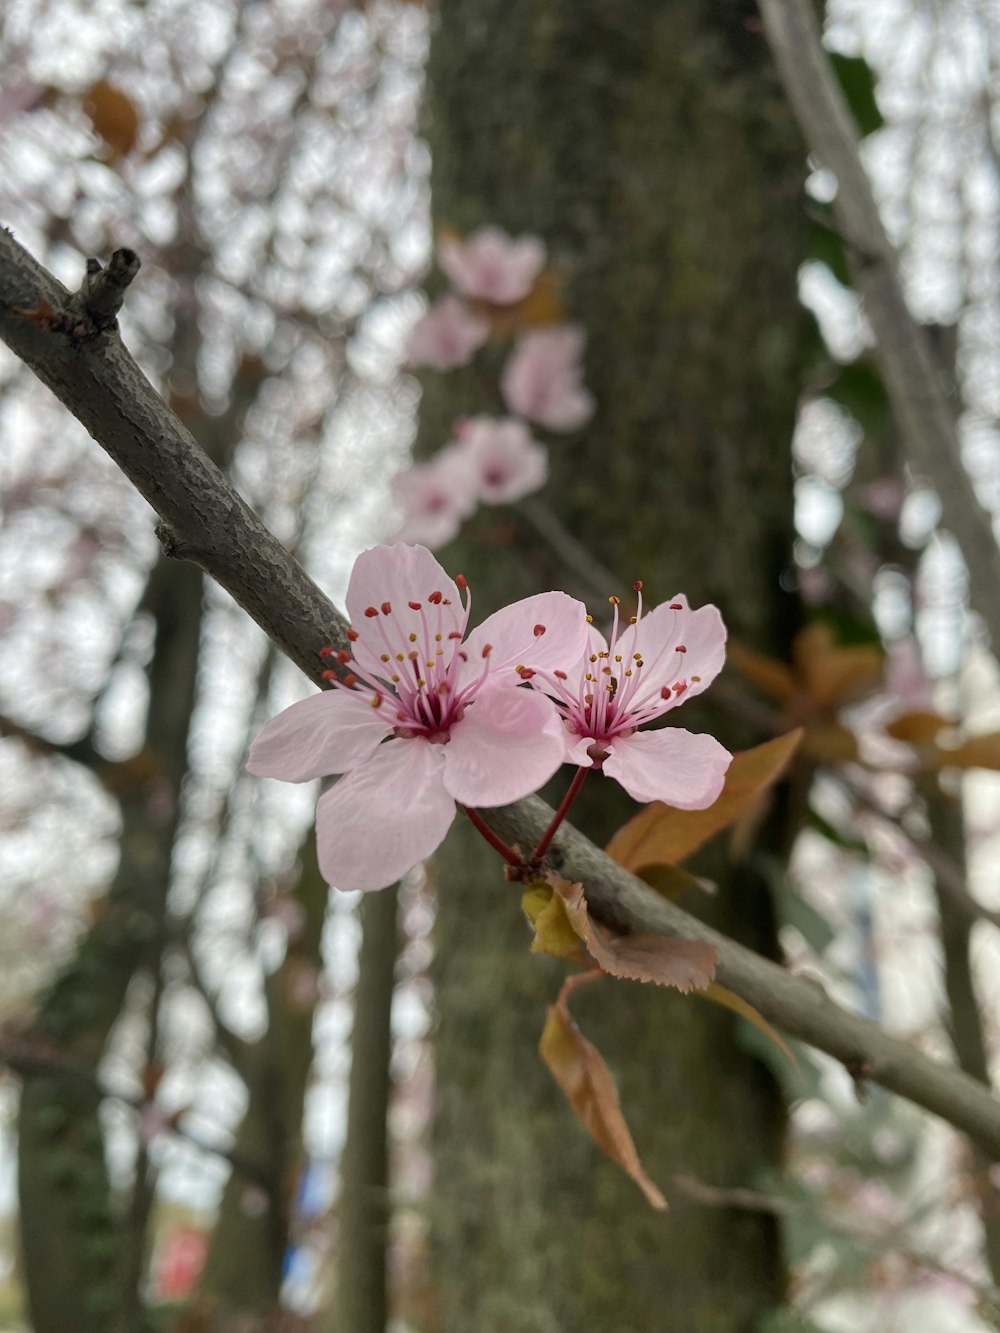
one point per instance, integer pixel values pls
(650, 145)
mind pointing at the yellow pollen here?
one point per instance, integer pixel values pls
(615, 601)
(628, 671)
(593, 657)
(421, 684)
(376, 701)
(394, 679)
(631, 620)
(437, 638)
(618, 657)
(400, 657)
(696, 680)
(413, 638)
(590, 620)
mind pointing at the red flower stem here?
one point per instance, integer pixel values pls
(498, 844)
(560, 815)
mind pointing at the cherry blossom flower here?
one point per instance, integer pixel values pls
(491, 266)
(542, 379)
(423, 720)
(437, 496)
(506, 462)
(651, 665)
(447, 336)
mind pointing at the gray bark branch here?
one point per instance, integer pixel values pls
(102, 386)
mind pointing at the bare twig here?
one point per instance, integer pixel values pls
(925, 414)
(103, 387)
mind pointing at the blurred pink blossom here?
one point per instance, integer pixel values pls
(883, 497)
(446, 336)
(542, 379)
(436, 496)
(906, 680)
(492, 266)
(506, 462)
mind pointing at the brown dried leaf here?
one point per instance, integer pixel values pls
(976, 752)
(113, 116)
(720, 995)
(658, 959)
(553, 932)
(578, 1069)
(829, 743)
(770, 676)
(832, 675)
(917, 728)
(659, 834)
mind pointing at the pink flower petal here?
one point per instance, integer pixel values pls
(700, 633)
(547, 631)
(331, 732)
(394, 576)
(507, 745)
(507, 463)
(674, 766)
(378, 822)
(542, 379)
(492, 266)
(446, 336)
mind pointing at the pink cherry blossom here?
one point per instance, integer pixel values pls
(447, 336)
(491, 266)
(423, 720)
(437, 496)
(652, 664)
(506, 462)
(542, 379)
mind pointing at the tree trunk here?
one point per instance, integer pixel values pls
(651, 147)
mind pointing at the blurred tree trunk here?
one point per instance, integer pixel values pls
(651, 147)
(360, 1299)
(69, 1244)
(245, 1267)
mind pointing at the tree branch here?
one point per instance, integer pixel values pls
(101, 384)
(923, 410)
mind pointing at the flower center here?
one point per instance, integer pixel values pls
(413, 661)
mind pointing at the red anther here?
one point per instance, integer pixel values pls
(328, 675)
(377, 701)
(454, 634)
(387, 608)
(680, 687)
(352, 635)
(559, 675)
(327, 652)
(525, 673)
(637, 586)
(615, 601)
(435, 598)
(371, 611)
(444, 688)
(665, 692)
(677, 606)
(343, 657)
(680, 648)
(415, 606)
(413, 655)
(350, 681)
(464, 656)
(487, 649)
(461, 581)
(538, 630)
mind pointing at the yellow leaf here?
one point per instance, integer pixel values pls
(659, 834)
(584, 1078)
(543, 305)
(720, 995)
(553, 932)
(659, 959)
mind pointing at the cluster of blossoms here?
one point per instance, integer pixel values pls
(426, 714)
(491, 460)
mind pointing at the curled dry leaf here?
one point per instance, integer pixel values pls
(684, 964)
(586, 1082)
